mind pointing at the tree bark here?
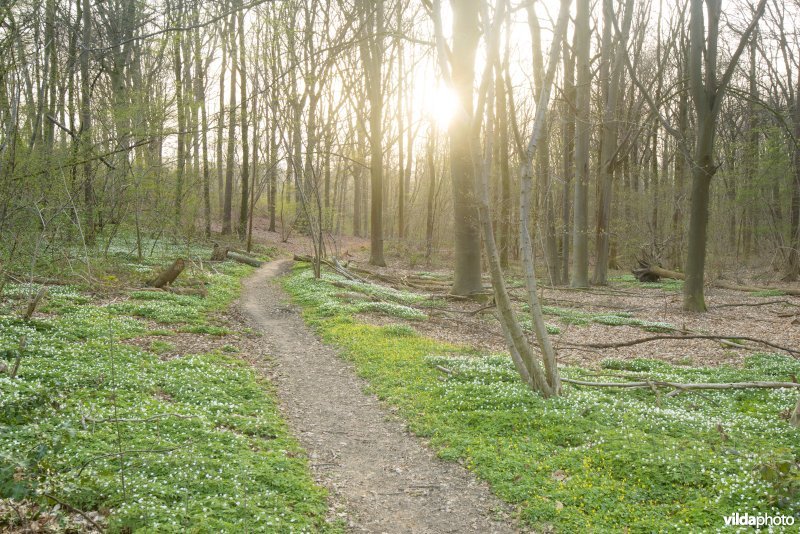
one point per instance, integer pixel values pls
(580, 244)
(227, 210)
(467, 276)
(372, 56)
(168, 275)
(609, 145)
(707, 94)
(245, 170)
(86, 123)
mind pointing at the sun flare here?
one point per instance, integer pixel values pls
(441, 105)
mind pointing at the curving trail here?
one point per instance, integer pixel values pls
(381, 478)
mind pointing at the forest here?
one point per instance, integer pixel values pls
(397, 266)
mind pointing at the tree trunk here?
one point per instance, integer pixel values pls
(168, 275)
(580, 246)
(613, 49)
(568, 140)
(227, 209)
(430, 163)
(793, 259)
(505, 169)
(372, 56)
(707, 92)
(467, 275)
(245, 172)
(86, 124)
(181, 136)
(221, 119)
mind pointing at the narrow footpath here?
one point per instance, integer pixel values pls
(380, 477)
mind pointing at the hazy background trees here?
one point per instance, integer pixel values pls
(123, 119)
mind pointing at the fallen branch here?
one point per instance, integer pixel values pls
(685, 387)
(738, 304)
(690, 336)
(647, 272)
(333, 264)
(75, 511)
(445, 369)
(140, 420)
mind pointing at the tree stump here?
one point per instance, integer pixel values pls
(169, 275)
(219, 253)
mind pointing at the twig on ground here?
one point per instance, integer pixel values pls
(75, 510)
(738, 304)
(689, 336)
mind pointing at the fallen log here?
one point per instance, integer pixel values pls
(169, 275)
(241, 258)
(647, 272)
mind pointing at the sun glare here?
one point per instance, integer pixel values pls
(442, 103)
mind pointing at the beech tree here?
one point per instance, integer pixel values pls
(707, 89)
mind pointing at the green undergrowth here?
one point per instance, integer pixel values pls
(768, 293)
(628, 280)
(188, 444)
(595, 459)
(334, 295)
(578, 317)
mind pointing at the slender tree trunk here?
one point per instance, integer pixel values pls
(430, 163)
(401, 179)
(200, 95)
(273, 136)
(245, 172)
(227, 210)
(611, 76)
(568, 140)
(793, 263)
(221, 119)
(181, 137)
(676, 256)
(505, 169)
(580, 245)
(86, 123)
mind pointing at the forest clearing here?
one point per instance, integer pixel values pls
(390, 266)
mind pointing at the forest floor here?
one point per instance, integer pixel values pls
(381, 478)
(595, 459)
(623, 311)
(163, 411)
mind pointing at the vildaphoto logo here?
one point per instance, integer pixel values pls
(758, 520)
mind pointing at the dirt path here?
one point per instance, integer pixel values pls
(381, 478)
